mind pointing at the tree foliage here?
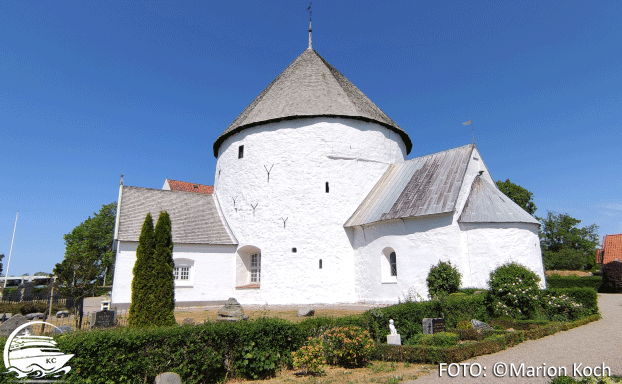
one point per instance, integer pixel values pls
(518, 194)
(153, 285)
(443, 279)
(565, 245)
(88, 255)
(163, 268)
(142, 284)
(1, 257)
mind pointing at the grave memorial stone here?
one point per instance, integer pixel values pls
(103, 319)
(35, 316)
(305, 311)
(61, 314)
(168, 378)
(188, 321)
(480, 325)
(433, 325)
(11, 324)
(231, 311)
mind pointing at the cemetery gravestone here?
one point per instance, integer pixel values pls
(11, 324)
(61, 314)
(305, 311)
(432, 326)
(35, 316)
(168, 378)
(231, 311)
(103, 319)
(480, 325)
(188, 321)
(26, 291)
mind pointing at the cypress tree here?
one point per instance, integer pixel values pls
(164, 282)
(142, 284)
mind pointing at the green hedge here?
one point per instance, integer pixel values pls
(199, 354)
(557, 281)
(408, 316)
(584, 296)
(492, 342)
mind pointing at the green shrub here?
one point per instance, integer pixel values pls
(443, 279)
(557, 281)
(464, 324)
(348, 346)
(199, 354)
(316, 326)
(311, 356)
(513, 291)
(612, 278)
(29, 307)
(407, 316)
(587, 297)
(441, 340)
(464, 307)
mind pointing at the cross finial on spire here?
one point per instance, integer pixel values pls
(310, 41)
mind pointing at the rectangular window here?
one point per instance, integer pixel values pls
(256, 268)
(241, 152)
(181, 273)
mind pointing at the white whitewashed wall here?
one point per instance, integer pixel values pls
(419, 243)
(212, 272)
(303, 155)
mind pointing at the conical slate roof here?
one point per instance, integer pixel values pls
(487, 204)
(310, 87)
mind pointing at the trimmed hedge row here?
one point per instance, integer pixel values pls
(587, 297)
(199, 354)
(489, 342)
(557, 281)
(408, 316)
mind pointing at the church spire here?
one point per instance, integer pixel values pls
(310, 41)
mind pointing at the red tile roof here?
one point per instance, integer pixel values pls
(189, 187)
(612, 248)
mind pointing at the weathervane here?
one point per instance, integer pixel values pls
(470, 122)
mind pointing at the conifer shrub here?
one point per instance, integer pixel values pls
(612, 278)
(141, 308)
(163, 280)
(443, 279)
(513, 291)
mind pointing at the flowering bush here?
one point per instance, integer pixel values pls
(348, 346)
(560, 307)
(513, 291)
(310, 357)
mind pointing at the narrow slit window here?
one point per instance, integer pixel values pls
(393, 264)
(327, 187)
(320, 263)
(241, 152)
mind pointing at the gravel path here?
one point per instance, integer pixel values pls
(591, 345)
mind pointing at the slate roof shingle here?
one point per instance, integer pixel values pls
(422, 186)
(310, 87)
(487, 204)
(194, 216)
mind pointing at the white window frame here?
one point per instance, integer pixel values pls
(386, 274)
(255, 270)
(183, 268)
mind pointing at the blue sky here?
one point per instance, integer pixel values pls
(92, 90)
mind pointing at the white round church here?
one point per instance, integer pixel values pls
(314, 202)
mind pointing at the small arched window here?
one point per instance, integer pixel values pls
(393, 264)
